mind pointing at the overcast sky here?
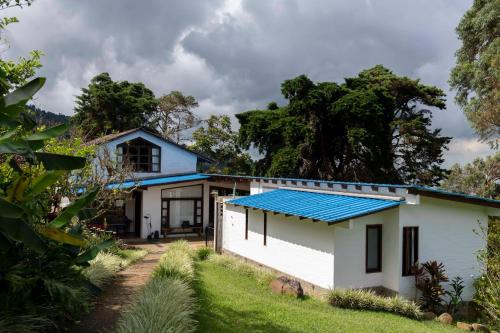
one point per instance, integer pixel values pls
(232, 55)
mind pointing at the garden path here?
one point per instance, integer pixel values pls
(117, 295)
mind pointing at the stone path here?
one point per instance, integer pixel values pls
(117, 294)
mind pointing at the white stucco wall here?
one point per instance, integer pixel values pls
(173, 159)
(350, 252)
(300, 248)
(446, 234)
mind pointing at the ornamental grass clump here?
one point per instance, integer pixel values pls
(102, 268)
(204, 253)
(165, 305)
(177, 262)
(368, 300)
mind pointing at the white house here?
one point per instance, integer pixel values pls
(326, 233)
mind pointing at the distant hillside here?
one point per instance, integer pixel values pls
(48, 118)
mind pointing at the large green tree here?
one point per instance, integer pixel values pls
(216, 140)
(479, 177)
(476, 76)
(174, 115)
(373, 127)
(107, 106)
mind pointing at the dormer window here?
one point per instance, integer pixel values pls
(141, 155)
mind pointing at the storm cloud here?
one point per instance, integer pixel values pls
(232, 55)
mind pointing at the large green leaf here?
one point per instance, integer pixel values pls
(24, 93)
(62, 237)
(63, 218)
(9, 210)
(43, 181)
(48, 133)
(10, 147)
(18, 230)
(90, 254)
(61, 162)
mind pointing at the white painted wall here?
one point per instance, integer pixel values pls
(173, 158)
(350, 252)
(446, 234)
(300, 248)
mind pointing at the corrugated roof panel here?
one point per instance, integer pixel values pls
(325, 207)
(158, 181)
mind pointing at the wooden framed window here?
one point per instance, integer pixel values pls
(410, 250)
(140, 154)
(373, 262)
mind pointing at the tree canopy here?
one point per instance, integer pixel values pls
(479, 177)
(216, 139)
(476, 76)
(174, 115)
(106, 106)
(373, 127)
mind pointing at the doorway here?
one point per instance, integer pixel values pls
(138, 213)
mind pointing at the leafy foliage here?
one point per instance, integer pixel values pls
(39, 259)
(479, 177)
(476, 76)
(47, 118)
(488, 284)
(174, 115)
(218, 141)
(429, 277)
(106, 106)
(373, 127)
(455, 294)
(368, 300)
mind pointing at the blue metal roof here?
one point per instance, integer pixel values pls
(325, 207)
(158, 181)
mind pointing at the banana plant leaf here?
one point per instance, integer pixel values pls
(90, 254)
(23, 94)
(62, 237)
(65, 216)
(9, 210)
(18, 230)
(48, 133)
(61, 162)
(43, 181)
(19, 148)
(5, 243)
(86, 213)
(15, 192)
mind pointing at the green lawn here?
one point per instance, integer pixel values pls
(232, 302)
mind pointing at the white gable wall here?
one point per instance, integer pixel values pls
(173, 159)
(446, 234)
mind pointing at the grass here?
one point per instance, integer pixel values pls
(165, 305)
(233, 302)
(105, 265)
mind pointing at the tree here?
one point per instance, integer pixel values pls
(217, 140)
(106, 106)
(373, 127)
(476, 76)
(479, 177)
(174, 115)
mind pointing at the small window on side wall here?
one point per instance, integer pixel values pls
(374, 248)
(410, 250)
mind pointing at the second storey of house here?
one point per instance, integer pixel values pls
(145, 153)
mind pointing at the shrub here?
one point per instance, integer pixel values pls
(368, 300)
(203, 253)
(165, 305)
(12, 323)
(177, 262)
(428, 279)
(263, 276)
(455, 294)
(102, 268)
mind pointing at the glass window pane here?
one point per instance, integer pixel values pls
(155, 151)
(183, 192)
(155, 168)
(373, 247)
(155, 159)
